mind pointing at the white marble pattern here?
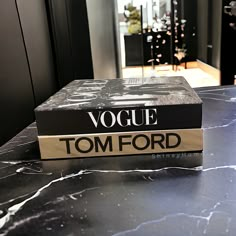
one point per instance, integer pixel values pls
(14, 209)
(216, 207)
(207, 219)
(26, 220)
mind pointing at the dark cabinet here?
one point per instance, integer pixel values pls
(36, 36)
(26, 64)
(16, 94)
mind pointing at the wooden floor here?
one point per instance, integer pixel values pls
(197, 74)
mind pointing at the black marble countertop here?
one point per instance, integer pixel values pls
(112, 196)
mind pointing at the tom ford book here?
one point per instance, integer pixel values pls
(121, 143)
(120, 105)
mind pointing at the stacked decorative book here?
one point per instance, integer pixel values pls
(118, 117)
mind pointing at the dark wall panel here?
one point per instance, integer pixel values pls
(209, 31)
(216, 32)
(69, 24)
(61, 41)
(189, 9)
(80, 39)
(34, 23)
(16, 96)
(202, 29)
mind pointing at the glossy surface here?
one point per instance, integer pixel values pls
(132, 92)
(112, 196)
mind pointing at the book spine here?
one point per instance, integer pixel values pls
(119, 119)
(122, 143)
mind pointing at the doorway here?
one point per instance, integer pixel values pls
(157, 36)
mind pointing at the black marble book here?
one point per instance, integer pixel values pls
(120, 105)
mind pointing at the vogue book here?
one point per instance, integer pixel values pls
(120, 105)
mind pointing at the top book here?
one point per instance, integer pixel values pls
(117, 105)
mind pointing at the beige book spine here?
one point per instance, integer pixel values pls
(122, 143)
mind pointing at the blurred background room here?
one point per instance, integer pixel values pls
(45, 44)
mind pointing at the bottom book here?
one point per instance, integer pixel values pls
(120, 144)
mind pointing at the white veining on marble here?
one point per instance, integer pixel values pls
(215, 94)
(31, 171)
(144, 177)
(213, 208)
(220, 97)
(11, 162)
(19, 162)
(26, 220)
(11, 211)
(15, 208)
(148, 178)
(223, 97)
(23, 144)
(5, 167)
(52, 219)
(58, 200)
(198, 168)
(217, 99)
(213, 90)
(72, 196)
(233, 167)
(24, 170)
(7, 176)
(14, 199)
(165, 218)
(220, 126)
(4, 152)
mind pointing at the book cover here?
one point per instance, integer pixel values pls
(121, 143)
(120, 105)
